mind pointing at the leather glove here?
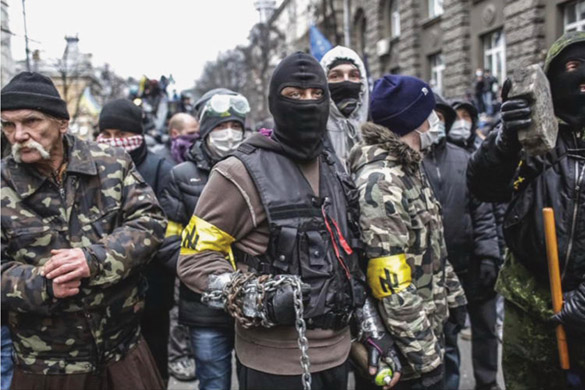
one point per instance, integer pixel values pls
(458, 316)
(433, 380)
(573, 312)
(280, 306)
(515, 116)
(488, 273)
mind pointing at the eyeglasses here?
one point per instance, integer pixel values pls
(219, 105)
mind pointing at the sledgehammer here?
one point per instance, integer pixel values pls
(554, 274)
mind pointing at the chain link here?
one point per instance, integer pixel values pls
(242, 284)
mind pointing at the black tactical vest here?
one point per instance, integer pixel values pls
(307, 230)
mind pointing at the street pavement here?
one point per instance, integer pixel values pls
(467, 381)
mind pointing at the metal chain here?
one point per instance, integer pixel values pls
(246, 283)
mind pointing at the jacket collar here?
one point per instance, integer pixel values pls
(26, 180)
(379, 143)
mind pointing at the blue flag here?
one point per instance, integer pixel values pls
(319, 43)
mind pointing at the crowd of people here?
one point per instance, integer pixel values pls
(361, 231)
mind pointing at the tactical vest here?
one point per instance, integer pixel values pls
(315, 237)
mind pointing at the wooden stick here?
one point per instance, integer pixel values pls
(554, 274)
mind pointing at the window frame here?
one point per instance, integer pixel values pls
(578, 24)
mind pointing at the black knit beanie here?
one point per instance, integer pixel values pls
(121, 114)
(31, 90)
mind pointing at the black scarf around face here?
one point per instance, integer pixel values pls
(300, 125)
(568, 100)
(346, 95)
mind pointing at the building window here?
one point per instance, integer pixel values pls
(437, 67)
(575, 16)
(494, 54)
(394, 19)
(360, 31)
(435, 8)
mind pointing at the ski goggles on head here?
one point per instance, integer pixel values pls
(220, 105)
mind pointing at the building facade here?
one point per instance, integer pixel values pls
(440, 41)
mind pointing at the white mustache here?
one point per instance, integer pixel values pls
(30, 144)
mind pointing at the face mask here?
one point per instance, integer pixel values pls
(127, 143)
(460, 131)
(431, 136)
(479, 73)
(439, 131)
(568, 98)
(345, 95)
(300, 125)
(223, 142)
(181, 144)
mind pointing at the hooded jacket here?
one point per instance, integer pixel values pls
(401, 221)
(557, 180)
(344, 131)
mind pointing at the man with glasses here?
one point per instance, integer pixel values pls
(221, 128)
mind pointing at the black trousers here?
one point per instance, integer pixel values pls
(484, 345)
(155, 329)
(332, 379)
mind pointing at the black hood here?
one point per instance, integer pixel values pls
(300, 125)
(447, 111)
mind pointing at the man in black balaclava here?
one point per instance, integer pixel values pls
(279, 206)
(299, 102)
(120, 124)
(500, 171)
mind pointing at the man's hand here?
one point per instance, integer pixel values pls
(67, 289)
(66, 265)
(573, 312)
(382, 350)
(488, 274)
(515, 116)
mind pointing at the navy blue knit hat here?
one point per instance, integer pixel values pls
(33, 91)
(401, 103)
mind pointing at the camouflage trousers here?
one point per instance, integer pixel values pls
(530, 357)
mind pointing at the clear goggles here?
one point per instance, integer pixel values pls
(220, 105)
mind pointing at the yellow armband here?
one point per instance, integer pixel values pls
(200, 236)
(173, 229)
(388, 275)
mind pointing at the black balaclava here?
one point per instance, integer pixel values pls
(346, 95)
(300, 125)
(568, 99)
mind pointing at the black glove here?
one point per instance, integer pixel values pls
(515, 116)
(488, 273)
(458, 317)
(280, 306)
(433, 380)
(382, 348)
(573, 312)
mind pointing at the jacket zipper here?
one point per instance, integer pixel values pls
(578, 182)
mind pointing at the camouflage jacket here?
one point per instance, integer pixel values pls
(103, 207)
(401, 222)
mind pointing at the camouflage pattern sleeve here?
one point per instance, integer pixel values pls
(455, 294)
(135, 240)
(23, 287)
(389, 232)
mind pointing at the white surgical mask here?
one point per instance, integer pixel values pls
(223, 142)
(460, 131)
(438, 131)
(431, 136)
